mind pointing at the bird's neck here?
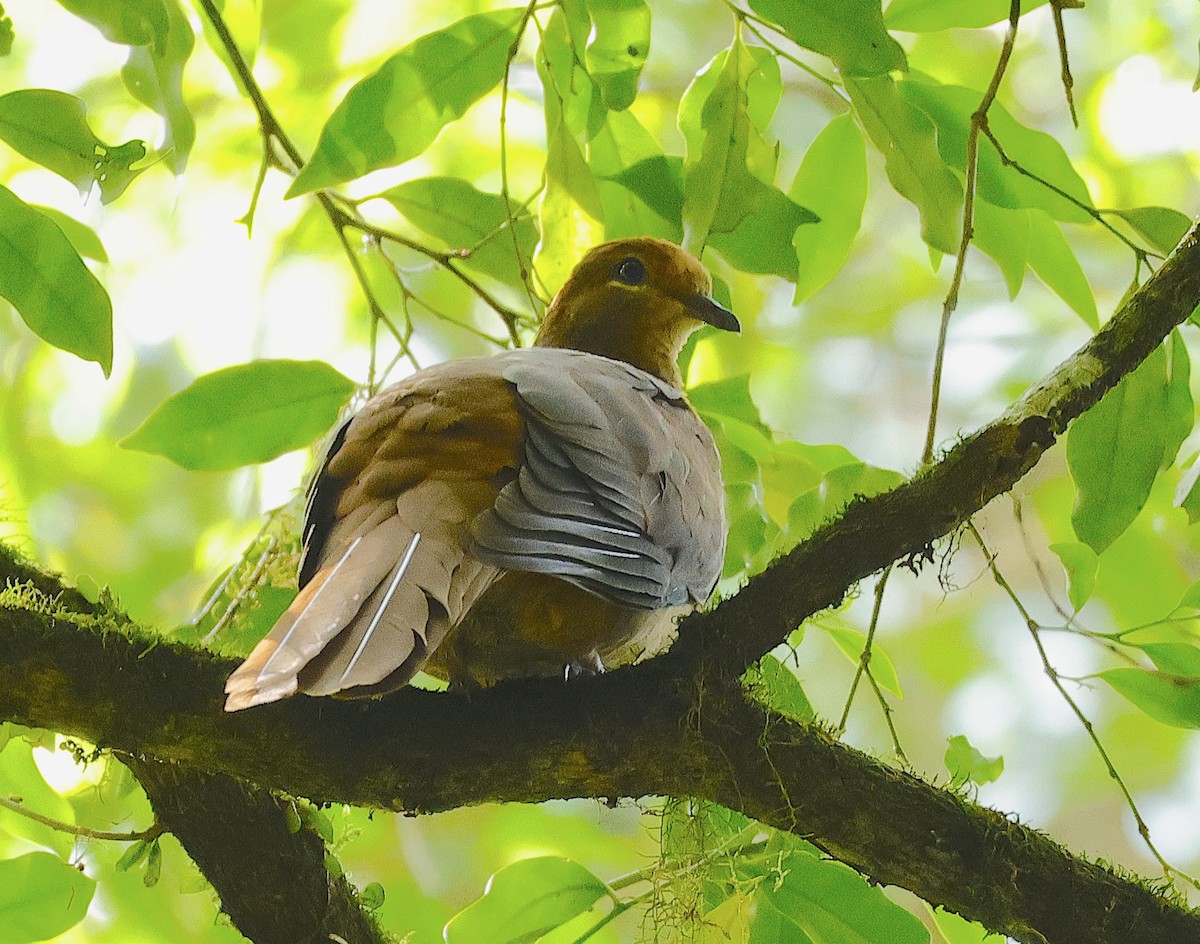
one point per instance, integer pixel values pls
(656, 353)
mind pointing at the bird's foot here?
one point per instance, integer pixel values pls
(591, 665)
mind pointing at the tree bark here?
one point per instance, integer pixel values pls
(680, 724)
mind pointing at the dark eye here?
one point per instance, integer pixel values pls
(630, 271)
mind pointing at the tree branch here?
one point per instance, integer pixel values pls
(679, 724)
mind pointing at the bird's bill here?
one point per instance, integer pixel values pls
(705, 309)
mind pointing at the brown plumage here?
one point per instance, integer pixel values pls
(513, 515)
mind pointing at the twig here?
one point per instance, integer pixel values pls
(1068, 81)
(864, 661)
(243, 591)
(508, 209)
(145, 835)
(1143, 255)
(979, 123)
(1056, 679)
(339, 217)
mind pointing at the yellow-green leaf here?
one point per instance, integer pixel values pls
(396, 112)
(617, 49)
(1114, 452)
(908, 141)
(41, 896)
(921, 16)
(1051, 257)
(525, 900)
(244, 414)
(832, 183)
(967, 765)
(43, 277)
(51, 128)
(850, 32)
(1079, 561)
(1161, 227)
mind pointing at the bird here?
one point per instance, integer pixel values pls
(540, 511)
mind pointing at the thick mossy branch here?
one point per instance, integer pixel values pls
(678, 724)
(272, 881)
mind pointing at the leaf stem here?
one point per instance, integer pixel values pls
(84, 832)
(979, 124)
(1057, 680)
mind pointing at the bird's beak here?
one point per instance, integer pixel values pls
(705, 309)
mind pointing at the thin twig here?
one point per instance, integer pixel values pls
(339, 217)
(504, 192)
(1056, 679)
(979, 123)
(1068, 81)
(243, 591)
(864, 661)
(145, 835)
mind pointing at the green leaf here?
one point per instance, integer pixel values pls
(396, 112)
(966, 764)
(6, 34)
(636, 202)
(908, 141)
(571, 214)
(41, 896)
(468, 219)
(777, 686)
(154, 76)
(832, 182)
(128, 22)
(153, 870)
(658, 182)
(1079, 561)
(1174, 658)
(921, 16)
(729, 397)
(81, 237)
(850, 32)
(1161, 227)
(372, 896)
(618, 47)
(1167, 698)
(727, 159)
(958, 930)
(1051, 257)
(136, 852)
(1004, 235)
(826, 902)
(1115, 450)
(762, 242)
(50, 287)
(525, 900)
(244, 414)
(752, 534)
(1180, 412)
(51, 129)
(852, 643)
(1187, 495)
(950, 108)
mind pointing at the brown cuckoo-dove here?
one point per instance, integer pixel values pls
(518, 514)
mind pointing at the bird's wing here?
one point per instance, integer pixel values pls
(384, 571)
(620, 488)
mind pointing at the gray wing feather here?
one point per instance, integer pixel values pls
(620, 489)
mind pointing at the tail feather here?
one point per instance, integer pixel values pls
(366, 622)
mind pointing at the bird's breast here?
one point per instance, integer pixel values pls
(529, 624)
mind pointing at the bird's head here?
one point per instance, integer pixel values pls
(634, 300)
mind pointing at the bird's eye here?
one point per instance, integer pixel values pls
(630, 271)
